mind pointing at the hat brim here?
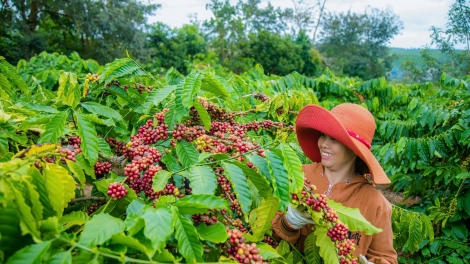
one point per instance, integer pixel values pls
(314, 120)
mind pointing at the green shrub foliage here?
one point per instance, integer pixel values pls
(110, 163)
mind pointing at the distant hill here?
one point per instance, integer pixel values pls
(403, 54)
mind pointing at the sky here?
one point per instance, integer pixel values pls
(418, 16)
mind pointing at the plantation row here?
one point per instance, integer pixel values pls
(109, 164)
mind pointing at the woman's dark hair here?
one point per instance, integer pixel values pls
(360, 167)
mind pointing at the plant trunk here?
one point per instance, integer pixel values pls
(320, 15)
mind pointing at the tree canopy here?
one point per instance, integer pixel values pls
(448, 40)
(102, 30)
(356, 44)
(238, 36)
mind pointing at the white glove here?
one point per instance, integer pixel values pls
(297, 218)
(363, 260)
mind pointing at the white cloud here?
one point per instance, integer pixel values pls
(417, 15)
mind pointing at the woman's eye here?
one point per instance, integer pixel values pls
(324, 135)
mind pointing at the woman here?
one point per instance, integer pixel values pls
(345, 170)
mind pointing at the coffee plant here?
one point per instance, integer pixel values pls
(109, 164)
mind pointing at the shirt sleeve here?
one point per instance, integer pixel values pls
(381, 248)
(283, 230)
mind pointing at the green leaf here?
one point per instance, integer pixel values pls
(102, 110)
(267, 252)
(104, 148)
(160, 180)
(3, 144)
(133, 224)
(238, 179)
(312, 252)
(165, 256)
(180, 111)
(211, 84)
(454, 259)
(10, 131)
(293, 167)
(11, 239)
(202, 180)
(171, 115)
(191, 86)
(33, 196)
(60, 186)
(428, 228)
(353, 219)
(200, 203)
(100, 229)
(459, 232)
(171, 162)
(77, 171)
(96, 120)
(136, 207)
(120, 93)
(187, 153)
(215, 233)
(38, 108)
(280, 179)
(159, 226)
(85, 165)
(260, 182)
(203, 156)
(156, 96)
(164, 201)
(327, 247)
(55, 128)
(415, 237)
(14, 79)
(102, 185)
(188, 240)
(27, 223)
(64, 257)
(74, 218)
(38, 181)
(203, 114)
(31, 254)
(87, 133)
(69, 92)
(265, 213)
(283, 247)
(262, 165)
(121, 68)
(35, 123)
(122, 239)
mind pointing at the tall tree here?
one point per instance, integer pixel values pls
(99, 29)
(277, 54)
(176, 47)
(228, 31)
(457, 31)
(356, 44)
(306, 16)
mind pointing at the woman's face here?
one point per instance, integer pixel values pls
(335, 155)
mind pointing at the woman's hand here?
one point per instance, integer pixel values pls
(363, 260)
(298, 218)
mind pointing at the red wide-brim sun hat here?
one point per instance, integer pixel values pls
(350, 124)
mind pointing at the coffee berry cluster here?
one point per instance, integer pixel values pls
(338, 233)
(117, 191)
(102, 168)
(241, 251)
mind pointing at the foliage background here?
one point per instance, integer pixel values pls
(423, 125)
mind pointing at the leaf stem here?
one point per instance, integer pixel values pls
(94, 198)
(230, 158)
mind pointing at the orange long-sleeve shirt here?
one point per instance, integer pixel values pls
(358, 193)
